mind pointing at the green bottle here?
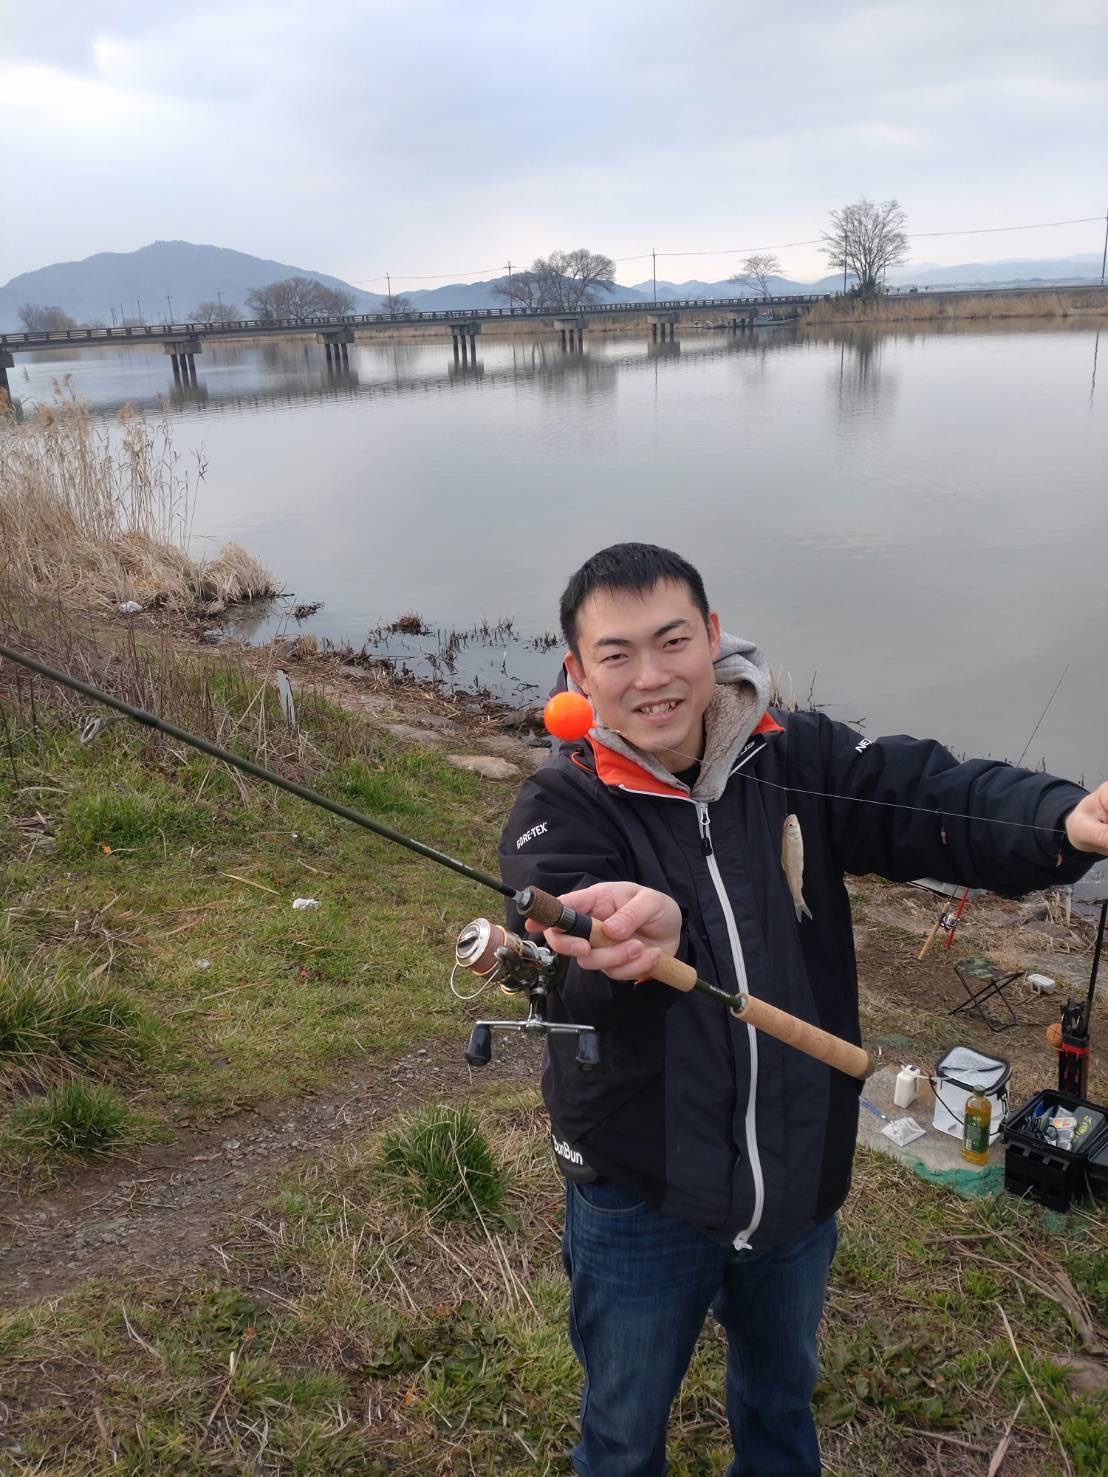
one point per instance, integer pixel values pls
(975, 1129)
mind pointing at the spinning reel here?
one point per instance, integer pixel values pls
(517, 965)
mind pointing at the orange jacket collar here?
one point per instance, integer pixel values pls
(617, 769)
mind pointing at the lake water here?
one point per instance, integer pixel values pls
(912, 523)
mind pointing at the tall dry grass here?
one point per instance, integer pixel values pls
(94, 515)
(919, 308)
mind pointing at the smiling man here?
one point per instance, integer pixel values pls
(704, 1161)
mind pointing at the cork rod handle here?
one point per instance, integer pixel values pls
(547, 910)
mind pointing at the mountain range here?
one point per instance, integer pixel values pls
(167, 279)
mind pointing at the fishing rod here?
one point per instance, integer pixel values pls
(488, 950)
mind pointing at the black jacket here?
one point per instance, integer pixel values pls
(708, 1120)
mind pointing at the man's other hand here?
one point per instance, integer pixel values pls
(648, 923)
(1087, 822)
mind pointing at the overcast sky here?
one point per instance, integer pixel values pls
(445, 136)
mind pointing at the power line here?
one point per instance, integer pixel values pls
(458, 274)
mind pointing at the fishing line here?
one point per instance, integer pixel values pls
(935, 813)
(1043, 714)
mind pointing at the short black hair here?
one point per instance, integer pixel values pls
(633, 567)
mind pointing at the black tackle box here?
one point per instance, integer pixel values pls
(1048, 1173)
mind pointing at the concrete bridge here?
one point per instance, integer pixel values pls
(183, 341)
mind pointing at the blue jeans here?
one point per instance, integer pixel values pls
(641, 1285)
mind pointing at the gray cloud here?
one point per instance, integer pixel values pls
(354, 137)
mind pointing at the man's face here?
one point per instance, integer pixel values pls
(646, 664)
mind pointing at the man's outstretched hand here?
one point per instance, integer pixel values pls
(1087, 822)
(625, 909)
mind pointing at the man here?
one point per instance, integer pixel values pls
(705, 1161)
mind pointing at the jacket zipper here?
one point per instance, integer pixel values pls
(742, 1240)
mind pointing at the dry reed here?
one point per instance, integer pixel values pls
(95, 515)
(921, 308)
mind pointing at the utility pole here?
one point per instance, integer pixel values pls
(1104, 253)
(388, 279)
(219, 300)
(139, 301)
(169, 300)
(654, 267)
(510, 297)
(113, 315)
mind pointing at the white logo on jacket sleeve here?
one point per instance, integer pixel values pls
(861, 747)
(564, 1151)
(530, 835)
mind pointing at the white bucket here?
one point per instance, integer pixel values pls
(962, 1072)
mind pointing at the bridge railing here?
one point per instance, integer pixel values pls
(155, 332)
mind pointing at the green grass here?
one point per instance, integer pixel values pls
(441, 1161)
(73, 1120)
(164, 859)
(362, 1337)
(51, 1027)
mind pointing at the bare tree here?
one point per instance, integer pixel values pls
(756, 272)
(561, 282)
(865, 238)
(298, 297)
(210, 312)
(37, 319)
(395, 303)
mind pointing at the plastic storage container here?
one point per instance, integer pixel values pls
(1050, 1174)
(963, 1071)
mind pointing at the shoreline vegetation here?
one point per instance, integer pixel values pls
(923, 308)
(98, 520)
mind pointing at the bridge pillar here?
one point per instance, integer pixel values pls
(7, 361)
(572, 332)
(336, 343)
(183, 352)
(662, 325)
(464, 338)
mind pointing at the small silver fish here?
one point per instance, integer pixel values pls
(792, 860)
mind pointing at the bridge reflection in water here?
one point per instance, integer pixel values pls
(291, 373)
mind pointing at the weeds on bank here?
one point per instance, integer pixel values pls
(900, 307)
(351, 1332)
(74, 1120)
(53, 1027)
(441, 1161)
(157, 881)
(96, 514)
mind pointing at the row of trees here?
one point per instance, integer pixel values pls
(36, 318)
(560, 282)
(297, 297)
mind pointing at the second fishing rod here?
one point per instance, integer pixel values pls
(484, 948)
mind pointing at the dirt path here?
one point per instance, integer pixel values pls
(163, 1208)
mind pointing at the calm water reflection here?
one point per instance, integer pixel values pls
(917, 520)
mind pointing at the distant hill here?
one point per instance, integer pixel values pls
(669, 292)
(1011, 273)
(189, 274)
